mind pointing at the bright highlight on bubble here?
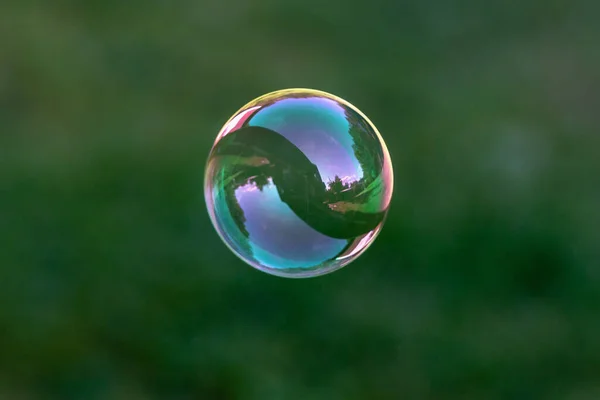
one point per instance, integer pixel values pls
(298, 183)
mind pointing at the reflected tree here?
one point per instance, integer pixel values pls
(258, 154)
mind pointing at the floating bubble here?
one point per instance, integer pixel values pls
(298, 183)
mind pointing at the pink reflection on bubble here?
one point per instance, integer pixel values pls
(237, 122)
(250, 187)
(247, 188)
(361, 245)
(388, 180)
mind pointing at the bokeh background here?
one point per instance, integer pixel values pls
(484, 284)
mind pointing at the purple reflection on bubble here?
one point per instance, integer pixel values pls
(320, 129)
(276, 233)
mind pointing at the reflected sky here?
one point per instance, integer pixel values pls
(277, 236)
(319, 128)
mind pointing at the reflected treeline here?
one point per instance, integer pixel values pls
(366, 146)
(346, 192)
(258, 156)
(350, 195)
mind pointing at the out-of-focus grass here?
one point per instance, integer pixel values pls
(484, 283)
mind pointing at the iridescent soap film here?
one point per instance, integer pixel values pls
(298, 183)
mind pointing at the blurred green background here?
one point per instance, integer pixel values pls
(484, 284)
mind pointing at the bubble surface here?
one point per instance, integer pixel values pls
(298, 183)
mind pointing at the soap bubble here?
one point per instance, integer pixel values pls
(298, 183)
